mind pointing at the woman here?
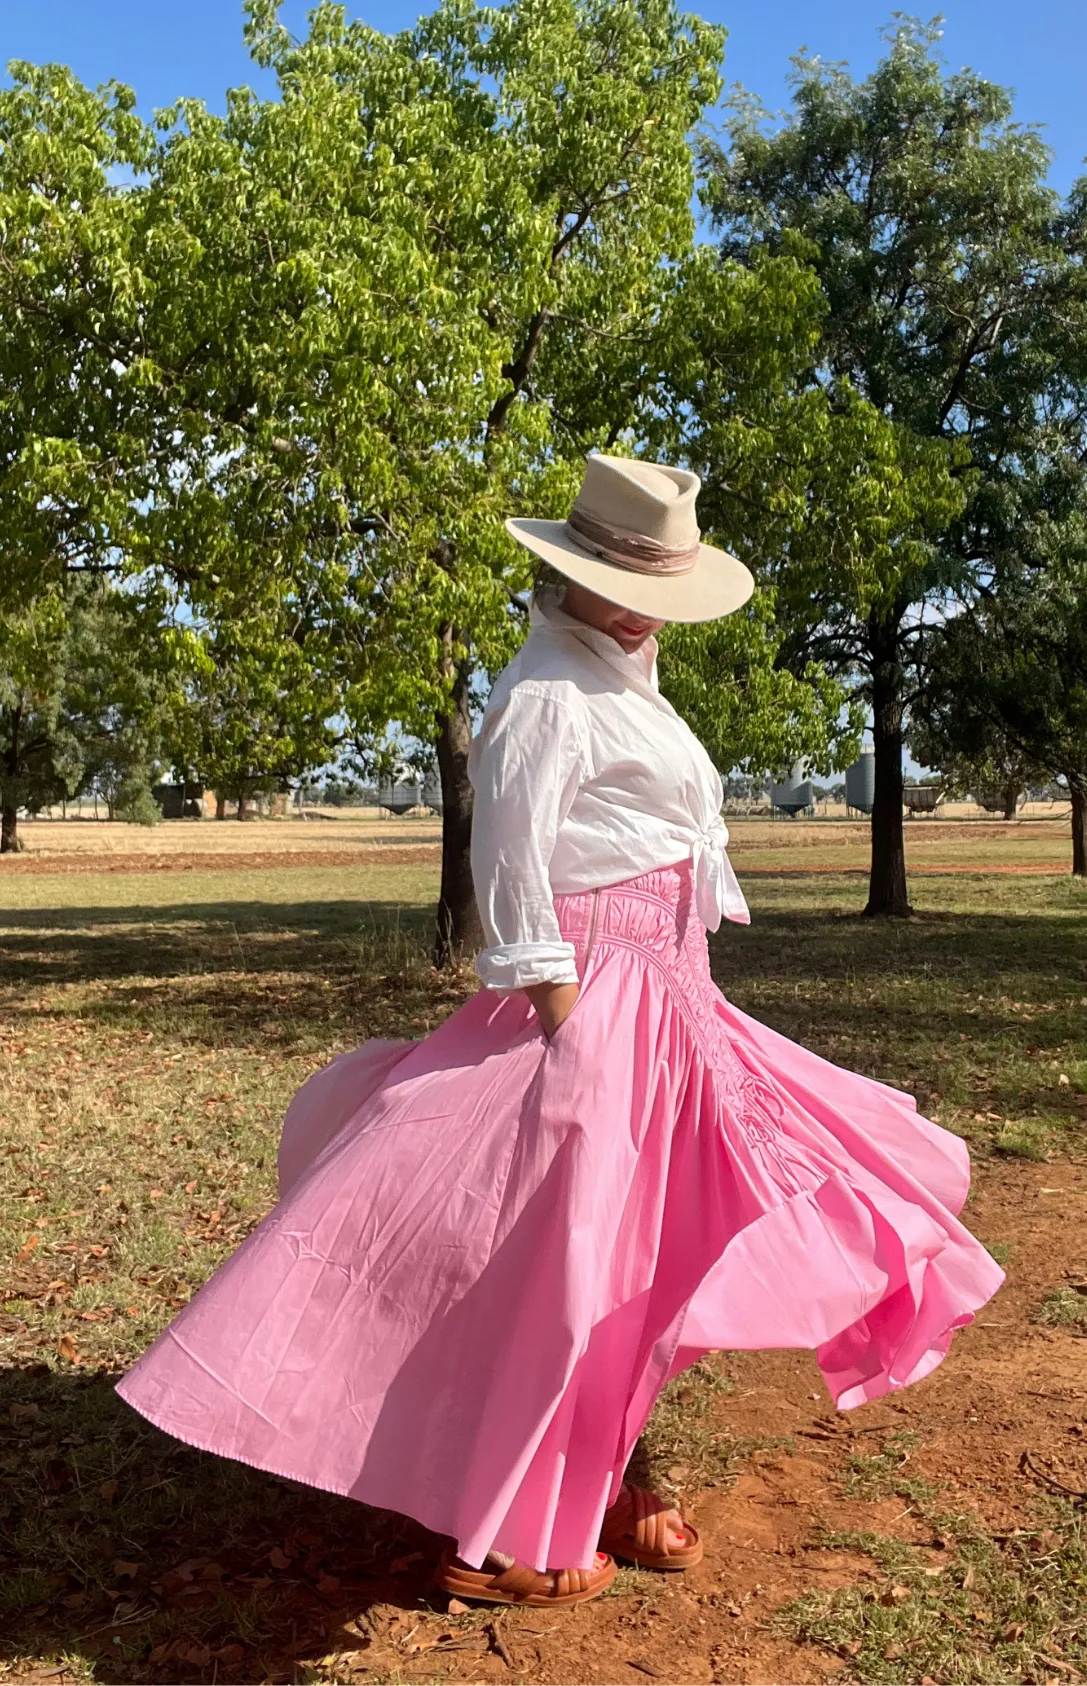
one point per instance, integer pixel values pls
(494, 1247)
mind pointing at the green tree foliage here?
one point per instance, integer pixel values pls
(400, 302)
(69, 478)
(948, 289)
(1008, 683)
(84, 701)
(750, 713)
(253, 712)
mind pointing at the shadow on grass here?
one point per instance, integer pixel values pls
(88, 944)
(120, 1542)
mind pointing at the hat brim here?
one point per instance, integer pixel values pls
(717, 585)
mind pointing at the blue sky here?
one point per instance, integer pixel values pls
(164, 50)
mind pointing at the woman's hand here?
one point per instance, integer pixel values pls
(552, 1001)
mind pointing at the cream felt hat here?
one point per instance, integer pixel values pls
(632, 537)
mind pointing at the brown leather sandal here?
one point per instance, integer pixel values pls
(522, 1585)
(636, 1528)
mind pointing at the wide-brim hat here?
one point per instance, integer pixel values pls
(632, 537)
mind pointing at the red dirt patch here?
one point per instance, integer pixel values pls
(270, 860)
(425, 854)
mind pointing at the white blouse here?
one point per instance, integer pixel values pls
(584, 775)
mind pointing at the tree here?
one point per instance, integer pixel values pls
(254, 711)
(83, 699)
(70, 462)
(750, 713)
(940, 255)
(393, 305)
(994, 775)
(36, 765)
(396, 304)
(1009, 679)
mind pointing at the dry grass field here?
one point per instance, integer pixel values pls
(164, 992)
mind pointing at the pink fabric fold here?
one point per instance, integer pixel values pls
(491, 1251)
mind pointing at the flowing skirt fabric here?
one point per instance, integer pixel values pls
(491, 1251)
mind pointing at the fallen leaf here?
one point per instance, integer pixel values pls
(1013, 1631)
(400, 1564)
(27, 1248)
(189, 1187)
(968, 1579)
(456, 1608)
(327, 1585)
(156, 1194)
(66, 1348)
(23, 1413)
(56, 1475)
(108, 1492)
(230, 1653)
(895, 1595)
(124, 1570)
(278, 1559)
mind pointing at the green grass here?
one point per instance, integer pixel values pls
(153, 1027)
(980, 1610)
(1065, 1308)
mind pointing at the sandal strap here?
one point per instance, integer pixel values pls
(569, 1581)
(521, 1581)
(643, 1518)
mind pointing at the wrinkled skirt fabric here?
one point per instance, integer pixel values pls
(492, 1251)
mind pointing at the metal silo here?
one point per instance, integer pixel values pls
(860, 782)
(794, 793)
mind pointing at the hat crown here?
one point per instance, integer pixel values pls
(648, 499)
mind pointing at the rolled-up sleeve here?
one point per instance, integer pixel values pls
(526, 767)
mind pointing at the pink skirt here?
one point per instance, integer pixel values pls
(491, 1251)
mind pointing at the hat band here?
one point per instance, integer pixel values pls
(634, 551)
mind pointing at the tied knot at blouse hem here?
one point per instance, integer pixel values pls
(584, 775)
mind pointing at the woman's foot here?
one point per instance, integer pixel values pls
(644, 1529)
(504, 1581)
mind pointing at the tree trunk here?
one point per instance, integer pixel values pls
(459, 931)
(243, 802)
(1011, 800)
(1077, 785)
(887, 897)
(9, 829)
(9, 807)
(220, 806)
